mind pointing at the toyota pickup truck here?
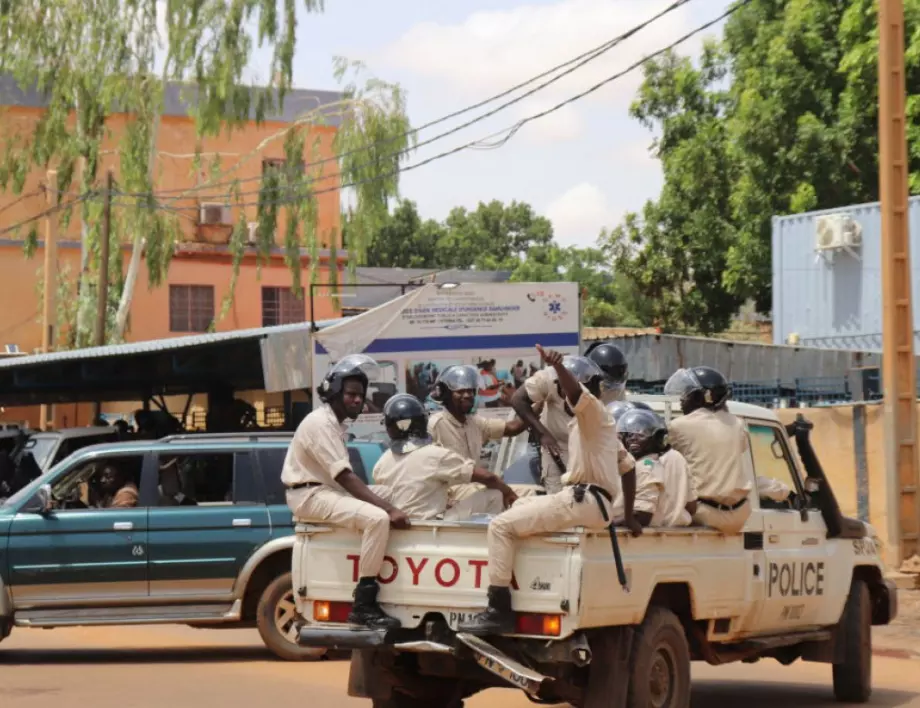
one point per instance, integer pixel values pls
(801, 582)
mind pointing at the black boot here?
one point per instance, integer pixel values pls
(366, 612)
(498, 617)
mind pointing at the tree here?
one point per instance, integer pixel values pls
(405, 240)
(779, 117)
(92, 60)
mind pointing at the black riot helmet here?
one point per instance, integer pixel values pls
(642, 432)
(618, 408)
(611, 360)
(455, 378)
(699, 387)
(406, 421)
(354, 366)
(585, 371)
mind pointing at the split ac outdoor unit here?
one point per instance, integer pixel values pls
(836, 232)
(214, 214)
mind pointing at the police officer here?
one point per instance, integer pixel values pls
(664, 492)
(457, 428)
(419, 473)
(611, 360)
(597, 463)
(322, 487)
(713, 441)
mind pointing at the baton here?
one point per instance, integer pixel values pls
(614, 541)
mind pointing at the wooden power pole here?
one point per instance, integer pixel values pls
(899, 374)
(49, 303)
(102, 294)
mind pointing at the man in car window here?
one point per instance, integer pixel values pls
(118, 492)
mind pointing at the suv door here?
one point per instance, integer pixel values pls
(797, 572)
(82, 551)
(208, 519)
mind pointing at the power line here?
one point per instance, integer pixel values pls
(510, 131)
(43, 214)
(570, 67)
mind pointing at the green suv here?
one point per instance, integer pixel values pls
(190, 529)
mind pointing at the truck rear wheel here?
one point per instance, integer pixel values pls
(659, 674)
(276, 618)
(853, 677)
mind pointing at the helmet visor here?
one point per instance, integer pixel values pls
(618, 408)
(354, 364)
(681, 383)
(582, 368)
(639, 422)
(460, 378)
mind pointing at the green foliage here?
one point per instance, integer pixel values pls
(96, 59)
(778, 117)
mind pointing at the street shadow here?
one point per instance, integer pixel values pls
(754, 694)
(183, 655)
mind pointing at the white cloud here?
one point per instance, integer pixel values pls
(579, 214)
(492, 50)
(559, 126)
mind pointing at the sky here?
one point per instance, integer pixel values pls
(583, 166)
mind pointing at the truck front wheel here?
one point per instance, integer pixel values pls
(276, 618)
(659, 674)
(853, 676)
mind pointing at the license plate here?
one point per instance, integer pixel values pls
(455, 618)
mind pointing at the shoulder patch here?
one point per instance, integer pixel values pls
(648, 462)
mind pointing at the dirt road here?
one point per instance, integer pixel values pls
(175, 667)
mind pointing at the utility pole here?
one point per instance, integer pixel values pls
(902, 465)
(49, 304)
(102, 294)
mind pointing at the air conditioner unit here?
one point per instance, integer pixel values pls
(214, 214)
(253, 226)
(835, 232)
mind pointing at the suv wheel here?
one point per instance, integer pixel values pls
(277, 620)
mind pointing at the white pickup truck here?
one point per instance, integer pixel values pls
(801, 582)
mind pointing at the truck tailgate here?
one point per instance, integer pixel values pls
(435, 567)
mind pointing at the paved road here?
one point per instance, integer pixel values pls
(175, 667)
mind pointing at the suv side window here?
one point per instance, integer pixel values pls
(205, 479)
(271, 460)
(772, 463)
(101, 483)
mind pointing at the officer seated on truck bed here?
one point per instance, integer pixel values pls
(597, 462)
(322, 487)
(664, 489)
(714, 442)
(418, 474)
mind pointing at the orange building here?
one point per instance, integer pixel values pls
(199, 275)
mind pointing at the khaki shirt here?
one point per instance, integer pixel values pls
(418, 481)
(317, 452)
(466, 439)
(542, 388)
(596, 455)
(714, 444)
(663, 489)
(125, 498)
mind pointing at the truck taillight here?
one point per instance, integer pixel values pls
(545, 625)
(325, 611)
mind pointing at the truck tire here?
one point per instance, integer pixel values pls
(276, 618)
(853, 677)
(659, 675)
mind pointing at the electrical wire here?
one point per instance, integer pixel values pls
(570, 67)
(510, 131)
(43, 214)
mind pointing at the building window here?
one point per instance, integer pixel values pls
(191, 308)
(281, 306)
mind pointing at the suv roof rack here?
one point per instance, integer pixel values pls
(206, 437)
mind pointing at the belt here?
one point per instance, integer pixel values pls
(722, 507)
(303, 485)
(599, 494)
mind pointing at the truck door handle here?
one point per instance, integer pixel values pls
(123, 526)
(242, 522)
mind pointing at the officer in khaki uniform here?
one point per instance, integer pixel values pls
(457, 428)
(713, 441)
(418, 473)
(322, 487)
(597, 463)
(664, 489)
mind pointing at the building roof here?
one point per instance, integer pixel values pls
(180, 98)
(379, 285)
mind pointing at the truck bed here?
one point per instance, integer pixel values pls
(441, 568)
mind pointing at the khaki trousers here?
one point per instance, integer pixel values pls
(724, 521)
(535, 515)
(485, 501)
(328, 506)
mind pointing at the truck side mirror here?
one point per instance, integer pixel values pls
(41, 502)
